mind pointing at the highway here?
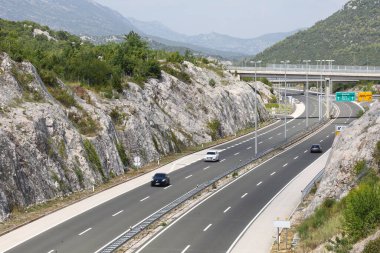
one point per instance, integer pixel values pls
(214, 225)
(91, 230)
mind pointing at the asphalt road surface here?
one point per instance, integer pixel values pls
(93, 229)
(215, 224)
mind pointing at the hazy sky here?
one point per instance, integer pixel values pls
(239, 18)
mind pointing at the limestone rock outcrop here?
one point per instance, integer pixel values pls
(356, 143)
(48, 149)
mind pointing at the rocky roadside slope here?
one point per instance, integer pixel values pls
(49, 148)
(355, 143)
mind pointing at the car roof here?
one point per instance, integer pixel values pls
(160, 174)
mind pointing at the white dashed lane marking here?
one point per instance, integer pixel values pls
(273, 173)
(209, 225)
(206, 168)
(295, 157)
(228, 208)
(113, 215)
(81, 233)
(237, 153)
(259, 183)
(144, 199)
(185, 249)
(249, 148)
(189, 176)
(245, 194)
(167, 187)
(285, 165)
(222, 160)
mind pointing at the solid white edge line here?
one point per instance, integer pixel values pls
(83, 232)
(228, 208)
(261, 211)
(205, 229)
(113, 215)
(222, 188)
(187, 247)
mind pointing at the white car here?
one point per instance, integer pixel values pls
(212, 156)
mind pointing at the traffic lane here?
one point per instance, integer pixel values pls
(283, 171)
(250, 189)
(118, 204)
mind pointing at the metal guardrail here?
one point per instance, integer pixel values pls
(312, 183)
(129, 234)
(311, 68)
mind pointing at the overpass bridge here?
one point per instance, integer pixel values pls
(316, 73)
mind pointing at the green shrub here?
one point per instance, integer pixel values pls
(246, 79)
(359, 166)
(362, 212)
(212, 82)
(271, 105)
(372, 246)
(78, 172)
(117, 117)
(122, 154)
(320, 216)
(215, 128)
(93, 158)
(181, 75)
(66, 99)
(376, 155)
(84, 123)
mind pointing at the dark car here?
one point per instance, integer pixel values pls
(160, 179)
(316, 148)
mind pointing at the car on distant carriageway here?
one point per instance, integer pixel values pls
(160, 179)
(212, 156)
(316, 148)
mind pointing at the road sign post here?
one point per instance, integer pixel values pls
(339, 129)
(345, 96)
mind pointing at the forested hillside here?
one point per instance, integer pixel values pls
(350, 36)
(104, 67)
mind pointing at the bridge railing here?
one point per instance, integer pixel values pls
(312, 68)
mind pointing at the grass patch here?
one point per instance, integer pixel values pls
(326, 222)
(93, 158)
(122, 154)
(215, 128)
(181, 75)
(63, 96)
(84, 123)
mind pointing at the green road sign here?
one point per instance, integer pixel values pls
(345, 96)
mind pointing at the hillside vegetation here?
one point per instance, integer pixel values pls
(60, 54)
(351, 36)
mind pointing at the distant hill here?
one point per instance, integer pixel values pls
(100, 23)
(75, 16)
(235, 47)
(350, 36)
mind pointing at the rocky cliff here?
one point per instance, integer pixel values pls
(356, 143)
(51, 146)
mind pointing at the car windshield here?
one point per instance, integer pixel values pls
(211, 153)
(315, 146)
(160, 175)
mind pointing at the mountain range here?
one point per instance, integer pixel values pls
(100, 21)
